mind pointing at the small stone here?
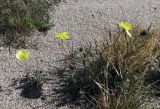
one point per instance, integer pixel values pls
(143, 33)
(71, 67)
(0, 88)
(43, 98)
(41, 60)
(80, 49)
(92, 15)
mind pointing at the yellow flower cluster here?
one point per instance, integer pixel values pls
(23, 54)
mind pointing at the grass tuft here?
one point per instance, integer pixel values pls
(112, 73)
(22, 15)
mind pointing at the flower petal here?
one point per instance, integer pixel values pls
(125, 25)
(128, 33)
(62, 35)
(22, 54)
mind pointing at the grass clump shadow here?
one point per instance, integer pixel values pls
(32, 88)
(30, 85)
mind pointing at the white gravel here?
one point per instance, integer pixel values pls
(84, 20)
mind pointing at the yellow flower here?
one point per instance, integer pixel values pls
(22, 54)
(62, 35)
(126, 26)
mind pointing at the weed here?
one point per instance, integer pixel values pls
(30, 22)
(36, 78)
(45, 26)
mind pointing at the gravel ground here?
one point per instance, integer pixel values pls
(84, 20)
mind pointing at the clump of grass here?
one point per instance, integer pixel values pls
(32, 85)
(112, 72)
(36, 78)
(132, 54)
(22, 15)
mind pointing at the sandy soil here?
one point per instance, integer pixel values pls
(84, 20)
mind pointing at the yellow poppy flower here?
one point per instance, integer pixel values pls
(22, 54)
(126, 26)
(62, 35)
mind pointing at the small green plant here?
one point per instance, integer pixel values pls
(35, 79)
(45, 26)
(30, 22)
(32, 86)
(41, 26)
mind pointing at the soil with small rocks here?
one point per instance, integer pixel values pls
(85, 20)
